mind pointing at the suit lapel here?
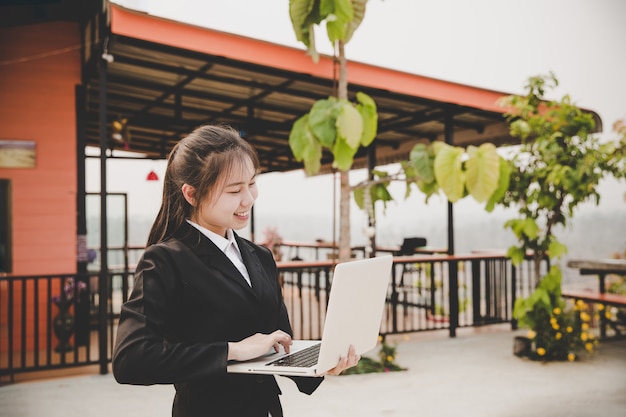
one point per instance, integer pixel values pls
(213, 257)
(253, 265)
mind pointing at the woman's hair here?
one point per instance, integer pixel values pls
(200, 160)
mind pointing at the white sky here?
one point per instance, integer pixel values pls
(492, 44)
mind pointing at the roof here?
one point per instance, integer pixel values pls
(168, 77)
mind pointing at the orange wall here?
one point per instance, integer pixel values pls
(40, 66)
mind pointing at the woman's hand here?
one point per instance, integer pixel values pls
(257, 345)
(345, 362)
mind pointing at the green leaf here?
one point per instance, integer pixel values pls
(422, 161)
(323, 120)
(530, 228)
(516, 254)
(428, 188)
(519, 311)
(350, 125)
(556, 249)
(503, 185)
(359, 197)
(326, 7)
(343, 155)
(299, 12)
(367, 108)
(358, 7)
(380, 193)
(337, 22)
(297, 137)
(521, 129)
(449, 172)
(483, 169)
(304, 15)
(304, 146)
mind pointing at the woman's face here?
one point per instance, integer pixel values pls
(229, 207)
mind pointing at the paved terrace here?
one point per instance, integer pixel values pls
(475, 374)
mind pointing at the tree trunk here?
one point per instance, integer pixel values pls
(344, 199)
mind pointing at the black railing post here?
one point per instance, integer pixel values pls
(394, 299)
(513, 293)
(476, 316)
(453, 293)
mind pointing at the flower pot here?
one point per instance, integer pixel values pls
(521, 346)
(63, 327)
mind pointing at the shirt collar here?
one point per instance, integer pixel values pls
(220, 241)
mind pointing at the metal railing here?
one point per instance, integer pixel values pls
(427, 292)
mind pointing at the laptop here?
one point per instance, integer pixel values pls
(353, 317)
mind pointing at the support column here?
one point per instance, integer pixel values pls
(82, 307)
(103, 278)
(452, 266)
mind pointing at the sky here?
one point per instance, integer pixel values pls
(493, 44)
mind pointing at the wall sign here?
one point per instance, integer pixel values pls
(17, 153)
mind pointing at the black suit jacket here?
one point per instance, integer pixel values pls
(187, 303)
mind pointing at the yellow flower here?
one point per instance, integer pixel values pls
(541, 351)
(552, 320)
(389, 358)
(531, 334)
(571, 357)
(607, 314)
(556, 311)
(580, 303)
(600, 306)
(380, 339)
(569, 329)
(584, 336)
(585, 326)
(584, 316)
(558, 336)
(589, 347)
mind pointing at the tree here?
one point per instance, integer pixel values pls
(335, 123)
(559, 166)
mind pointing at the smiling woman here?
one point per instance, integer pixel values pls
(203, 295)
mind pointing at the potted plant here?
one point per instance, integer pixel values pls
(558, 166)
(559, 329)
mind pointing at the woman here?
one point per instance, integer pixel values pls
(204, 296)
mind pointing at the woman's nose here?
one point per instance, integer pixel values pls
(248, 198)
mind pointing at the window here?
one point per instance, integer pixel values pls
(5, 226)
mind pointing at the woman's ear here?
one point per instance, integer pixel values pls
(189, 193)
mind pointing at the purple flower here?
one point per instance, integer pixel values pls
(70, 290)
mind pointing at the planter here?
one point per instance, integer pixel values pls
(521, 346)
(63, 327)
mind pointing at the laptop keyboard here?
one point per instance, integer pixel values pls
(303, 358)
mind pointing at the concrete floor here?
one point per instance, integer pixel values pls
(474, 374)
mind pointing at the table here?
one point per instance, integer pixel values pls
(601, 268)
